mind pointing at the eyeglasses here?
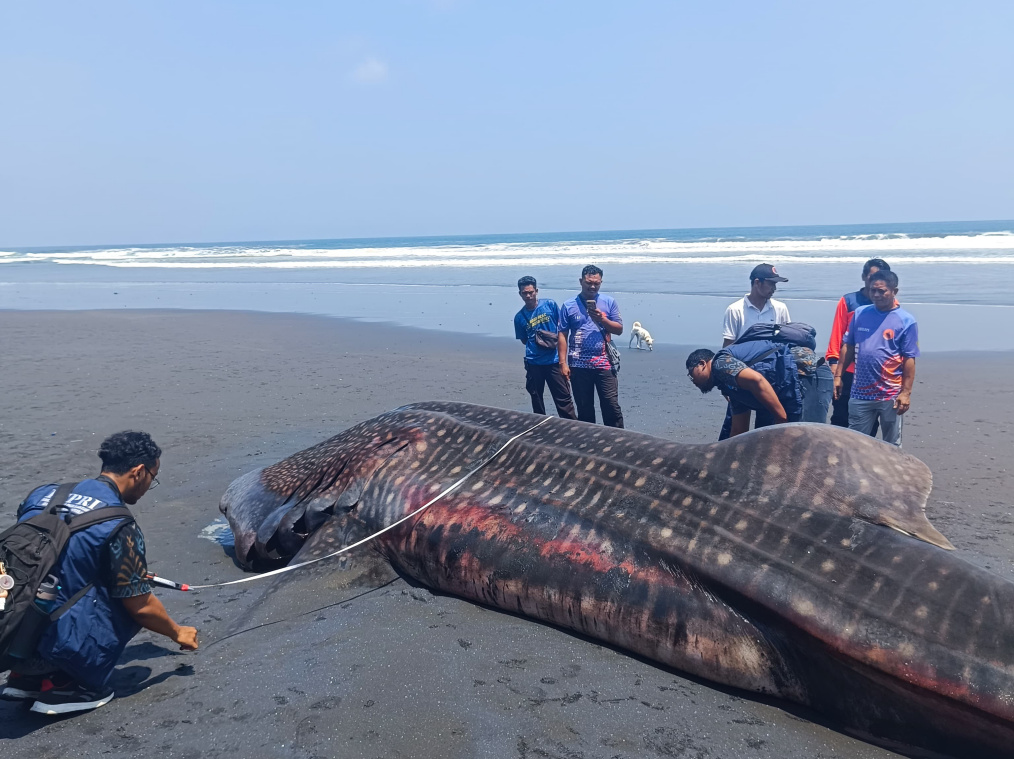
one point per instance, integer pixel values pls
(154, 479)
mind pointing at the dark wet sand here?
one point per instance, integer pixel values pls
(399, 671)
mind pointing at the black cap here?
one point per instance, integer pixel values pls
(766, 271)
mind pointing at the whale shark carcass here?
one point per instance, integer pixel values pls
(794, 561)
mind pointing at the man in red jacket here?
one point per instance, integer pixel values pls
(842, 317)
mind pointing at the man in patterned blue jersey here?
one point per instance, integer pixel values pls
(883, 339)
(77, 652)
(587, 321)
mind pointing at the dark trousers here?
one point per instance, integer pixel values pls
(840, 405)
(537, 376)
(585, 383)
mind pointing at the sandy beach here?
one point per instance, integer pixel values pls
(396, 671)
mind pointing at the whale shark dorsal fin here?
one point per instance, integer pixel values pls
(833, 470)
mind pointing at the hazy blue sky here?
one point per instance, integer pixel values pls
(208, 120)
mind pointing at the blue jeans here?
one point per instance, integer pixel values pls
(817, 392)
(863, 415)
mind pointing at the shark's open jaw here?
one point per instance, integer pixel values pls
(272, 511)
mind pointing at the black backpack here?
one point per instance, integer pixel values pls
(29, 551)
(793, 333)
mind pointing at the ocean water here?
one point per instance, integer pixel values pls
(956, 277)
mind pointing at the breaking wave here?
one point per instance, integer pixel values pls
(994, 248)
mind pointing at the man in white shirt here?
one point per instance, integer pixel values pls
(757, 305)
(753, 308)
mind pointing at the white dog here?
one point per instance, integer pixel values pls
(640, 334)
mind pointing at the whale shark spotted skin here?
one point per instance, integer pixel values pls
(794, 560)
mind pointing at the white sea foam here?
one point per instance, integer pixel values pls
(994, 248)
(521, 261)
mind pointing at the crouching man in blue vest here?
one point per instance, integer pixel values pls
(77, 652)
(761, 376)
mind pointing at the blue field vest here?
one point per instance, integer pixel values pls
(774, 361)
(855, 300)
(88, 640)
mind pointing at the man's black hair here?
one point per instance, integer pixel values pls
(590, 269)
(123, 451)
(888, 277)
(699, 355)
(880, 263)
(525, 281)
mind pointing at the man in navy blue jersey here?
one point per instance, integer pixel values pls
(537, 326)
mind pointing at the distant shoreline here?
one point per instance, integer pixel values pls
(672, 319)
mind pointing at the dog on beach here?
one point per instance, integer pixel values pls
(641, 336)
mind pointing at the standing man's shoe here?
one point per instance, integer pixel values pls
(71, 698)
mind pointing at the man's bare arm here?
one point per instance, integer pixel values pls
(613, 328)
(149, 612)
(904, 400)
(754, 383)
(848, 353)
